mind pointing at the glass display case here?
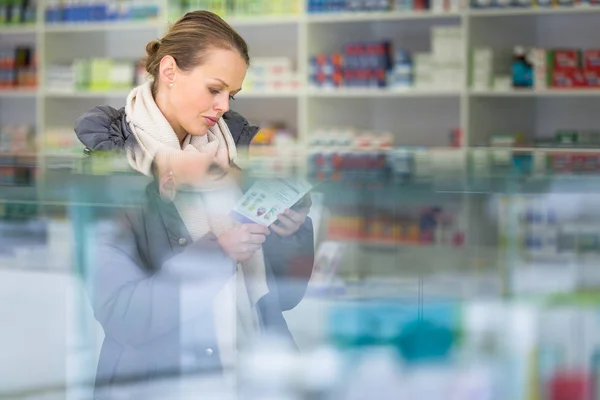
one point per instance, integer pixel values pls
(439, 274)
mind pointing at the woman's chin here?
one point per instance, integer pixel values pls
(199, 131)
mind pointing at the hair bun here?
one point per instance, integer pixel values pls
(152, 48)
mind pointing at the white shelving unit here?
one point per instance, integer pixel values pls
(415, 116)
(101, 27)
(381, 93)
(378, 16)
(509, 12)
(564, 93)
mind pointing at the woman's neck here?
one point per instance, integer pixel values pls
(164, 106)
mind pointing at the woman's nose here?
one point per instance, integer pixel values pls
(222, 106)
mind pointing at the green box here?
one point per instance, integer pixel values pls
(566, 137)
(82, 74)
(100, 74)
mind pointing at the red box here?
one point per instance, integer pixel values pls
(592, 79)
(569, 79)
(570, 386)
(565, 60)
(591, 60)
(355, 49)
(419, 5)
(574, 162)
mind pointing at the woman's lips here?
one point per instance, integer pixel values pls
(210, 121)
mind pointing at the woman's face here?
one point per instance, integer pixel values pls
(199, 97)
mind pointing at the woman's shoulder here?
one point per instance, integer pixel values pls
(103, 128)
(242, 131)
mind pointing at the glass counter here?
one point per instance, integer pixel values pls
(466, 286)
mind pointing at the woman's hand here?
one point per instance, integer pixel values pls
(290, 221)
(241, 242)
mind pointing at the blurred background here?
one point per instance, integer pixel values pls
(454, 149)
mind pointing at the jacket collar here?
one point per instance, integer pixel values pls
(240, 128)
(168, 213)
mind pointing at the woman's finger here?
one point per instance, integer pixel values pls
(256, 238)
(281, 230)
(295, 216)
(286, 221)
(256, 229)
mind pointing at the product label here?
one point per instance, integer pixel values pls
(569, 79)
(566, 60)
(268, 198)
(591, 60)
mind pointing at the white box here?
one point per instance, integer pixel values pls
(424, 83)
(482, 52)
(422, 58)
(447, 50)
(540, 68)
(502, 82)
(437, 5)
(446, 32)
(481, 85)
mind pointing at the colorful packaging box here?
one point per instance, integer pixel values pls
(591, 60)
(404, 5)
(570, 79)
(592, 78)
(574, 162)
(539, 58)
(566, 59)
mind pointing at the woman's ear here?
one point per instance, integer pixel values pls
(167, 69)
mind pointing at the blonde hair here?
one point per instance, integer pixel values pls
(190, 39)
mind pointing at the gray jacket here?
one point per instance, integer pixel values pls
(152, 286)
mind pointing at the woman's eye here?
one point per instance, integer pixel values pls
(213, 91)
(231, 97)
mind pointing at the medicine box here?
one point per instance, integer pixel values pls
(591, 60)
(539, 58)
(569, 79)
(565, 59)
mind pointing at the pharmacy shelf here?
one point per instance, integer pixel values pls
(537, 93)
(513, 12)
(377, 93)
(18, 155)
(18, 194)
(377, 16)
(70, 94)
(553, 150)
(251, 94)
(57, 93)
(267, 20)
(296, 39)
(18, 30)
(65, 156)
(102, 26)
(18, 93)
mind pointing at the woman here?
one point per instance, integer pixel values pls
(179, 286)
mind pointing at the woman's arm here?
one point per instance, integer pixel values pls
(135, 306)
(291, 258)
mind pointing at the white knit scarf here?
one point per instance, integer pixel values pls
(235, 306)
